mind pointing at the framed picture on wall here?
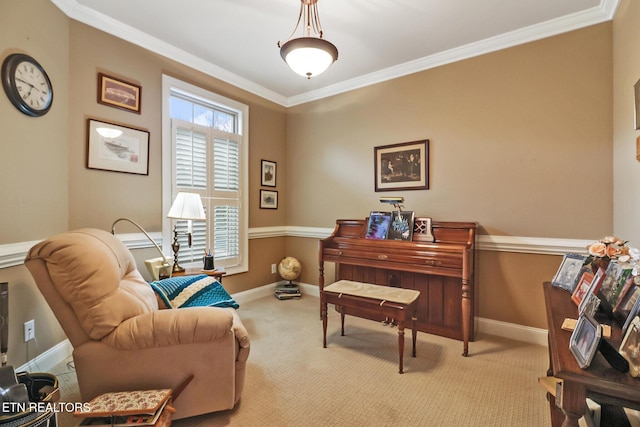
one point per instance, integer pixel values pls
(119, 94)
(117, 148)
(268, 173)
(402, 166)
(268, 199)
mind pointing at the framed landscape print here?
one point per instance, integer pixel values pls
(117, 148)
(402, 166)
(268, 173)
(268, 199)
(119, 94)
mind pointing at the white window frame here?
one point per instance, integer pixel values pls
(168, 179)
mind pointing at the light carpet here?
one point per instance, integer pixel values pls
(292, 381)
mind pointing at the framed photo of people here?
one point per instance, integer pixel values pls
(585, 339)
(569, 271)
(402, 166)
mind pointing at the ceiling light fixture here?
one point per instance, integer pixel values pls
(308, 55)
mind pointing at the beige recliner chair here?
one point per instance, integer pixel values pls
(122, 340)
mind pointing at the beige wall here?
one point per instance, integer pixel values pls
(520, 142)
(626, 60)
(33, 161)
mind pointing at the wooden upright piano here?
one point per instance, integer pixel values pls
(442, 270)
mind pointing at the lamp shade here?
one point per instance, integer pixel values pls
(309, 56)
(187, 206)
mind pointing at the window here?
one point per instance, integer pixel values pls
(205, 137)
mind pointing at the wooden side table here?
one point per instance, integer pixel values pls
(217, 273)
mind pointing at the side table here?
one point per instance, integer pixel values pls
(217, 273)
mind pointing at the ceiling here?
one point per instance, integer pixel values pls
(377, 40)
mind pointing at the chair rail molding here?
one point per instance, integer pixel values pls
(13, 254)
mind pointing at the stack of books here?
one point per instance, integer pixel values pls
(288, 291)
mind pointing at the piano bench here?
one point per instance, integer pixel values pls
(372, 300)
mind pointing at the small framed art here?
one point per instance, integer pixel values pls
(582, 287)
(117, 148)
(268, 199)
(268, 173)
(584, 340)
(119, 94)
(569, 272)
(630, 347)
(402, 166)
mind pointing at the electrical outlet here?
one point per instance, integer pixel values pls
(29, 330)
(273, 269)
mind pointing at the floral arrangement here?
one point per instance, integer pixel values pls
(612, 247)
(609, 247)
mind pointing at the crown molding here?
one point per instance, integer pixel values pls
(601, 13)
(94, 19)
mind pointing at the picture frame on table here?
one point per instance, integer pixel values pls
(401, 227)
(590, 301)
(626, 303)
(585, 339)
(117, 148)
(582, 287)
(378, 225)
(119, 93)
(268, 173)
(268, 199)
(630, 347)
(610, 284)
(403, 166)
(635, 311)
(569, 271)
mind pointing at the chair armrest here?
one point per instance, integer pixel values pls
(242, 336)
(162, 328)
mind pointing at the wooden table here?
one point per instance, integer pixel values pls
(217, 273)
(600, 382)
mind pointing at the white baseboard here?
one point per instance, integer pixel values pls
(50, 358)
(61, 351)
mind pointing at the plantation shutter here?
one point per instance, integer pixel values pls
(207, 162)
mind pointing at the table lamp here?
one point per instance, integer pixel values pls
(186, 206)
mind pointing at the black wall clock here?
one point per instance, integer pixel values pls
(26, 84)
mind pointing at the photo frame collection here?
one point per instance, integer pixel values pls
(268, 173)
(612, 289)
